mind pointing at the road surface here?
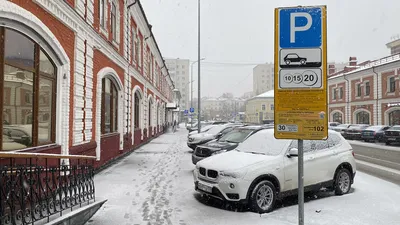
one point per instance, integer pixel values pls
(154, 185)
(378, 159)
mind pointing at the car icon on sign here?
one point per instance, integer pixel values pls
(293, 57)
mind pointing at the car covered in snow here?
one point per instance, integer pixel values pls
(263, 169)
(226, 143)
(215, 132)
(392, 135)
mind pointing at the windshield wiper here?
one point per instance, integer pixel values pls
(231, 141)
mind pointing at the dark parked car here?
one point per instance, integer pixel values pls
(341, 128)
(392, 135)
(374, 133)
(354, 131)
(332, 125)
(226, 143)
(293, 57)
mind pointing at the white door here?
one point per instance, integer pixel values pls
(324, 158)
(291, 167)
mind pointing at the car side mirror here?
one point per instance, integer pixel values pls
(293, 152)
(219, 135)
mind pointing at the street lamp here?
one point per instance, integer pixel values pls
(191, 85)
(198, 68)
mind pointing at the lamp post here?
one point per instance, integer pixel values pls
(191, 85)
(198, 68)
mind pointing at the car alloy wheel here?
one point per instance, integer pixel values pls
(343, 182)
(263, 197)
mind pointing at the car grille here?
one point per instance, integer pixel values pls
(202, 152)
(210, 173)
(202, 171)
(392, 133)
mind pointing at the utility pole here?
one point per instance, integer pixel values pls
(191, 85)
(198, 68)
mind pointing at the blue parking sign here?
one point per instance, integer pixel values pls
(186, 111)
(191, 110)
(300, 27)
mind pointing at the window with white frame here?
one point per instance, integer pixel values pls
(334, 92)
(114, 21)
(358, 94)
(340, 92)
(367, 89)
(102, 10)
(391, 85)
(134, 47)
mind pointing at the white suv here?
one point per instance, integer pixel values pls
(263, 169)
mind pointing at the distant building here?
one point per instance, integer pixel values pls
(179, 71)
(260, 108)
(263, 78)
(366, 93)
(394, 46)
(221, 108)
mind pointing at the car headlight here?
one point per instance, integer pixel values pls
(218, 152)
(232, 174)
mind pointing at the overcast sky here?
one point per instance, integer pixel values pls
(234, 31)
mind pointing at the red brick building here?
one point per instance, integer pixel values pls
(80, 77)
(366, 93)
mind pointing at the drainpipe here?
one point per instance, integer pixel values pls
(377, 94)
(127, 57)
(347, 98)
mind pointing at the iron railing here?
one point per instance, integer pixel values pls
(34, 187)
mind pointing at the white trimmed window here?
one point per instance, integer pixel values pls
(115, 21)
(102, 10)
(391, 85)
(134, 45)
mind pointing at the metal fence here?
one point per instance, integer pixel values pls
(33, 187)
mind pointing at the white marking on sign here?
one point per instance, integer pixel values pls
(294, 29)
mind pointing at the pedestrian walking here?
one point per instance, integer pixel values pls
(174, 126)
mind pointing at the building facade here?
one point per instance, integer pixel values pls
(81, 77)
(263, 78)
(179, 71)
(366, 93)
(221, 108)
(394, 45)
(260, 108)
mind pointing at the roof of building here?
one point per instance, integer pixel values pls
(365, 66)
(268, 94)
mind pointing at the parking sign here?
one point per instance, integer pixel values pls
(300, 73)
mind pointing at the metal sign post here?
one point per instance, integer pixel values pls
(300, 89)
(300, 179)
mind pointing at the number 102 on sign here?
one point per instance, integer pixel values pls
(287, 128)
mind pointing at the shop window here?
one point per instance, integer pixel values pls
(29, 76)
(337, 117)
(394, 118)
(109, 106)
(362, 117)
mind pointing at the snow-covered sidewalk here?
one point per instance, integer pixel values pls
(154, 185)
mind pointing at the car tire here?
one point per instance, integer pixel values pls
(263, 190)
(287, 62)
(342, 181)
(302, 62)
(387, 143)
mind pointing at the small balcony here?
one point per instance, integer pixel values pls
(39, 188)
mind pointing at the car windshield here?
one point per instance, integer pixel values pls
(215, 129)
(375, 128)
(236, 136)
(395, 128)
(264, 142)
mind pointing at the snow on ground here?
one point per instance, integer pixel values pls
(154, 185)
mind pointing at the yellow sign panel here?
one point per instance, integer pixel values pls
(300, 89)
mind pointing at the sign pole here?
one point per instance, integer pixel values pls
(300, 179)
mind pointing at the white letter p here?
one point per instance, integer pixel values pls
(293, 27)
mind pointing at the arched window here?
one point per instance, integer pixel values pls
(28, 78)
(337, 117)
(150, 111)
(362, 117)
(394, 118)
(109, 106)
(137, 110)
